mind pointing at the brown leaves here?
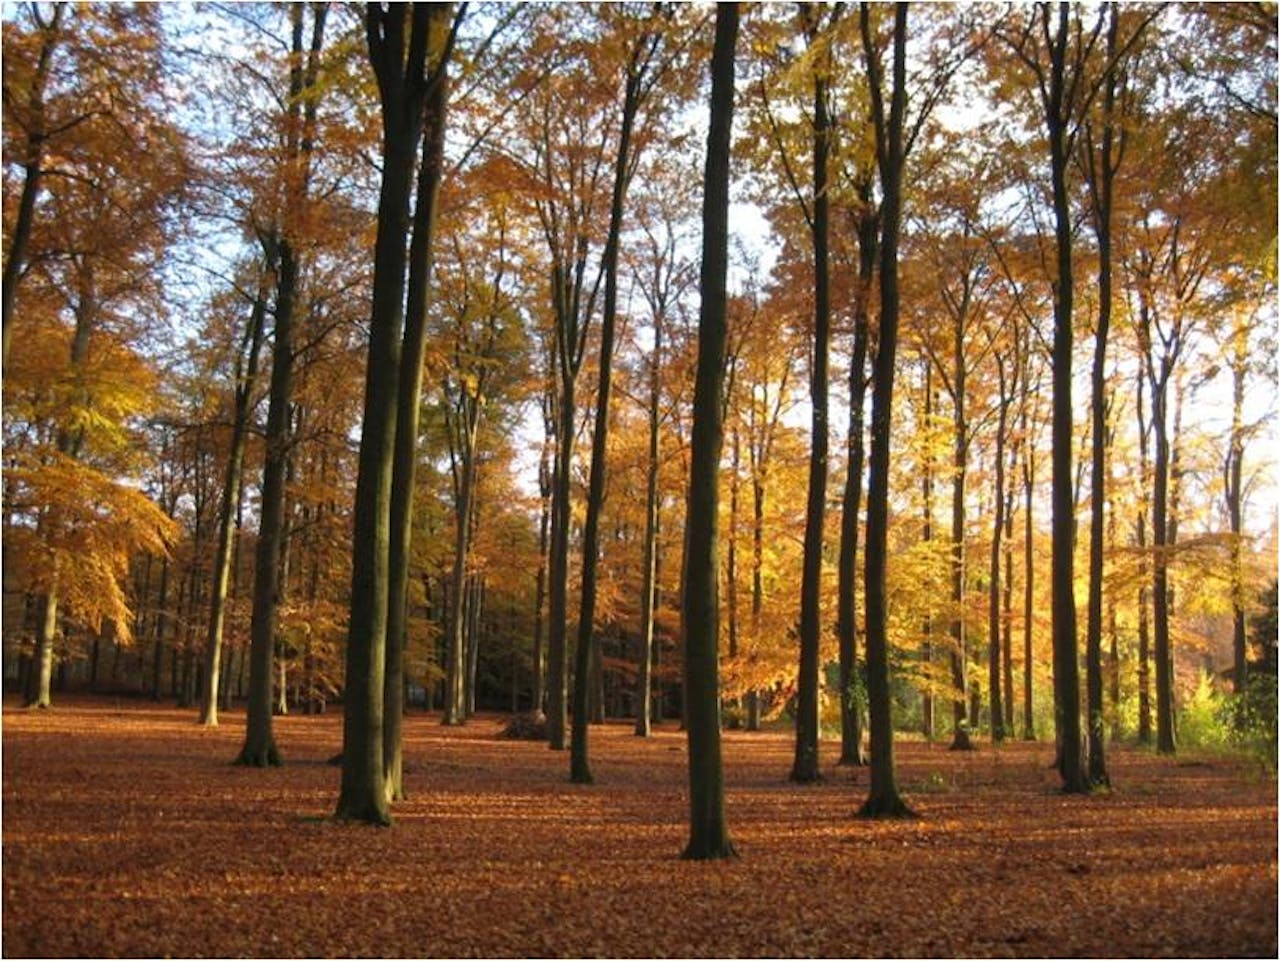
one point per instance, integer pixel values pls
(127, 832)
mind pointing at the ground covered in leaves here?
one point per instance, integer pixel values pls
(127, 832)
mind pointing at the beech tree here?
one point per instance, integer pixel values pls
(700, 620)
(399, 52)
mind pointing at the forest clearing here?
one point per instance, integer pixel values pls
(128, 833)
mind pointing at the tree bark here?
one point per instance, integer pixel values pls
(579, 761)
(409, 392)
(1101, 181)
(883, 800)
(708, 827)
(851, 703)
(232, 488)
(648, 590)
(402, 88)
(804, 768)
(1066, 668)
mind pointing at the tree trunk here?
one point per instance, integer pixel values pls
(1066, 670)
(1233, 475)
(648, 590)
(805, 766)
(259, 748)
(402, 88)
(926, 536)
(883, 800)
(852, 691)
(708, 827)
(1101, 182)
(409, 392)
(579, 762)
(232, 488)
(997, 531)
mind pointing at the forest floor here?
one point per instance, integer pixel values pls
(127, 832)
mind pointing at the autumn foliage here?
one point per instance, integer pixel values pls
(132, 831)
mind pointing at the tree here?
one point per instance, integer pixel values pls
(259, 748)
(1058, 68)
(883, 800)
(708, 828)
(641, 72)
(29, 105)
(439, 42)
(399, 51)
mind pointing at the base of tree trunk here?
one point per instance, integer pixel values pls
(581, 775)
(264, 756)
(707, 851)
(38, 706)
(366, 813)
(530, 726)
(890, 806)
(852, 758)
(962, 741)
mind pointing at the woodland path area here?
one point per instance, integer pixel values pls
(127, 832)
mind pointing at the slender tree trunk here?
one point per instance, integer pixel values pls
(993, 612)
(1165, 743)
(402, 87)
(232, 488)
(259, 749)
(1066, 670)
(960, 739)
(579, 762)
(539, 704)
(926, 535)
(409, 392)
(648, 591)
(557, 640)
(852, 690)
(1233, 476)
(883, 800)
(1006, 622)
(1102, 181)
(455, 708)
(805, 766)
(1028, 582)
(708, 827)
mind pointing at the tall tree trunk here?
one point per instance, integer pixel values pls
(852, 690)
(1006, 623)
(455, 707)
(409, 392)
(649, 589)
(960, 739)
(539, 696)
(1029, 575)
(1140, 537)
(993, 612)
(259, 749)
(1101, 180)
(883, 800)
(402, 88)
(708, 827)
(1066, 669)
(1165, 743)
(579, 761)
(1233, 476)
(926, 535)
(232, 489)
(805, 765)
